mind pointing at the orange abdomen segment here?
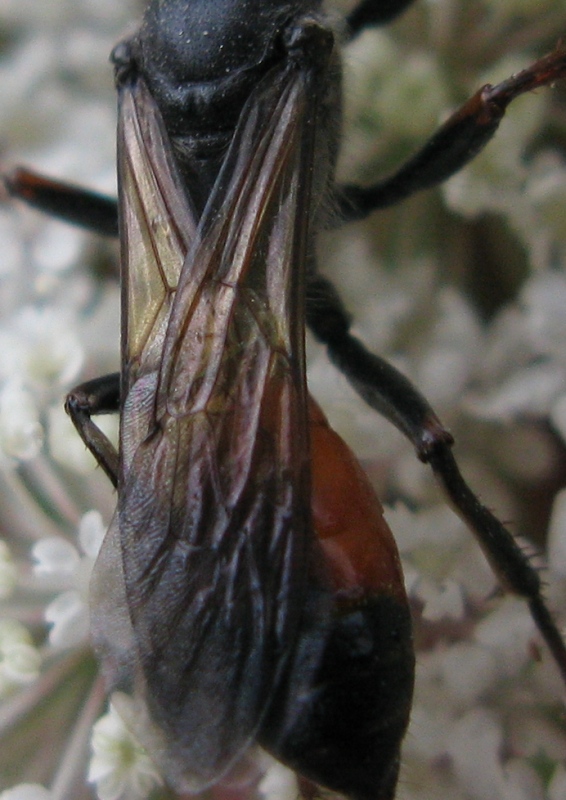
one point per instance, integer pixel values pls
(343, 729)
(360, 552)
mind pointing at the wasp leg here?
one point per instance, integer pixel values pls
(72, 204)
(374, 12)
(392, 395)
(99, 396)
(454, 144)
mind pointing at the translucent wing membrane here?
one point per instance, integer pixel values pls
(157, 226)
(212, 534)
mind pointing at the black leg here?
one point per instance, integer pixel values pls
(392, 395)
(99, 396)
(374, 12)
(375, 380)
(67, 202)
(456, 143)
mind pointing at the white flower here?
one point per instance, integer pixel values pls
(278, 783)
(119, 767)
(21, 433)
(52, 353)
(19, 659)
(476, 739)
(27, 791)
(59, 563)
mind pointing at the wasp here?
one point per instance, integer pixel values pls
(248, 591)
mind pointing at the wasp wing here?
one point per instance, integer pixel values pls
(157, 226)
(213, 517)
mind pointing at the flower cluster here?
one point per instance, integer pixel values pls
(462, 287)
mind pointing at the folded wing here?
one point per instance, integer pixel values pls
(208, 556)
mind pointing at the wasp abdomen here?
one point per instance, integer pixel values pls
(345, 732)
